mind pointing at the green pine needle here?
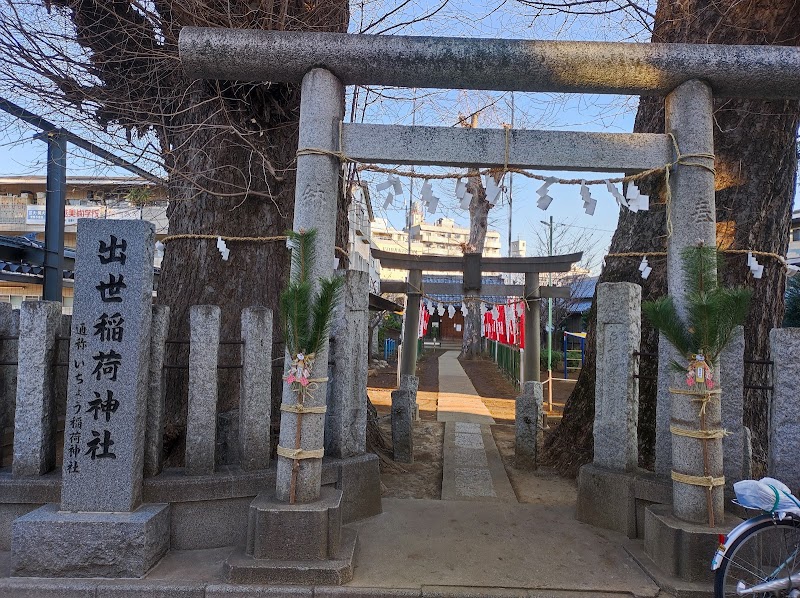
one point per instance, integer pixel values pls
(713, 313)
(306, 316)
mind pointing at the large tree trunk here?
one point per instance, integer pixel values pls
(231, 160)
(756, 169)
(478, 223)
(228, 150)
(193, 271)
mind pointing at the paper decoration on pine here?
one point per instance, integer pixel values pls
(612, 189)
(756, 268)
(589, 203)
(466, 200)
(645, 268)
(636, 201)
(451, 311)
(492, 189)
(440, 309)
(461, 189)
(464, 309)
(223, 249)
(699, 372)
(545, 200)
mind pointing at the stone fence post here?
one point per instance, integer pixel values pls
(255, 398)
(404, 401)
(736, 445)
(346, 416)
(616, 414)
(35, 414)
(784, 426)
(154, 430)
(9, 328)
(201, 419)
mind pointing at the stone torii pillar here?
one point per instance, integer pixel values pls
(679, 537)
(316, 195)
(304, 542)
(408, 356)
(692, 213)
(530, 356)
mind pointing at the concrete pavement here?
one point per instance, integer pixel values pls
(472, 468)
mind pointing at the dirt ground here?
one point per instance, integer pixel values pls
(423, 478)
(543, 486)
(499, 394)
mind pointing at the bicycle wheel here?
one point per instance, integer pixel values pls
(770, 551)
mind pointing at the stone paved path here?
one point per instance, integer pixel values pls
(472, 468)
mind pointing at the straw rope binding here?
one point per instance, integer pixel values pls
(298, 454)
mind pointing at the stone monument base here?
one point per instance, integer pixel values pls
(607, 499)
(52, 543)
(300, 543)
(617, 500)
(682, 549)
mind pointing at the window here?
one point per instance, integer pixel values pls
(796, 234)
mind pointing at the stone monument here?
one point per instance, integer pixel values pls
(101, 528)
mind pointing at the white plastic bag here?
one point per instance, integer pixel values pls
(767, 494)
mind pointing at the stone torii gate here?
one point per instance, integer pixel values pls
(306, 538)
(473, 265)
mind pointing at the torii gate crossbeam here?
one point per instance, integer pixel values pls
(473, 265)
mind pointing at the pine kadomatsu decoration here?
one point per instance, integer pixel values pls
(306, 315)
(711, 315)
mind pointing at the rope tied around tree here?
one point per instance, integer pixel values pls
(229, 239)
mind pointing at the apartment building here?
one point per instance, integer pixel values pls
(23, 213)
(443, 237)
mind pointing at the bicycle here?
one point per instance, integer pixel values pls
(761, 556)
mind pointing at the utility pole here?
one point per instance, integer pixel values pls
(549, 319)
(510, 180)
(409, 220)
(55, 203)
